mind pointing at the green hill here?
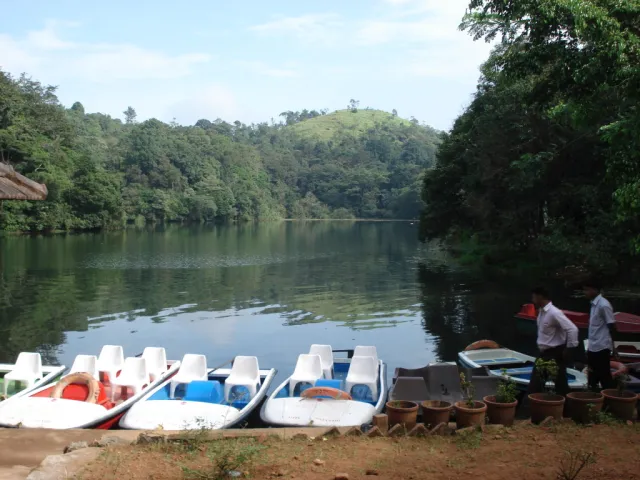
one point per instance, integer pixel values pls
(359, 122)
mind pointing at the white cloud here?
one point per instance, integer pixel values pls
(321, 27)
(212, 101)
(43, 53)
(260, 68)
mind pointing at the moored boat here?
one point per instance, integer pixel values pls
(329, 391)
(625, 322)
(95, 394)
(627, 351)
(198, 397)
(515, 365)
(27, 374)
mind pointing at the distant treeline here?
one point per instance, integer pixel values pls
(102, 172)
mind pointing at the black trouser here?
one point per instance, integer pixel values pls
(600, 370)
(561, 381)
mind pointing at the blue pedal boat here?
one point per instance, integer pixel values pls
(198, 397)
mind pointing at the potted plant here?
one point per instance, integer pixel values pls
(620, 402)
(584, 406)
(546, 404)
(435, 412)
(469, 412)
(501, 407)
(402, 412)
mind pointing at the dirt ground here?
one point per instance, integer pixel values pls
(526, 451)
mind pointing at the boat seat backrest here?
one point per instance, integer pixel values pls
(308, 370)
(245, 373)
(29, 362)
(412, 389)
(326, 358)
(193, 367)
(134, 374)
(85, 364)
(444, 382)
(156, 358)
(363, 371)
(28, 369)
(363, 351)
(111, 359)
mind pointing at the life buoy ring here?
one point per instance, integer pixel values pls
(326, 392)
(619, 368)
(481, 344)
(94, 389)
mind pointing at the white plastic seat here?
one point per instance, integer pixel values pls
(245, 372)
(363, 371)
(193, 367)
(28, 370)
(361, 351)
(134, 375)
(326, 359)
(87, 364)
(111, 360)
(308, 370)
(156, 358)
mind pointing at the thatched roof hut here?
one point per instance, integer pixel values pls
(14, 186)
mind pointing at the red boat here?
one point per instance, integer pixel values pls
(625, 322)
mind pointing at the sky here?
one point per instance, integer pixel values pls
(247, 60)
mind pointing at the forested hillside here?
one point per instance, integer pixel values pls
(546, 159)
(102, 172)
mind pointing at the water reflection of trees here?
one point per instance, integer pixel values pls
(458, 309)
(355, 274)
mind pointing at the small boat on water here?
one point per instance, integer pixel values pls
(515, 365)
(95, 394)
(627, 351)
(329, 391)
(198, 397)
(27, 374)
(625, 322)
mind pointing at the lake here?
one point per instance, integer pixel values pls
(268, 289)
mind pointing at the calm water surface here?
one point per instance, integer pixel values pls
(262, 289)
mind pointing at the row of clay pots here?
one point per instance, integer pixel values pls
(582, 406)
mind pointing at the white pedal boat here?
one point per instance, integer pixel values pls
(201, 398)
(95, 393)
(627, 351)
(326, 391)
(518, 366)
(26, 375)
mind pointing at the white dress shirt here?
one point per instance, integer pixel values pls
(555, 329)
(599, 321)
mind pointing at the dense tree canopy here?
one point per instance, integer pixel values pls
(102, 172)
(546, 158)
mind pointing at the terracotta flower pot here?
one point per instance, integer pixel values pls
(435, 412)
(620, 404)
(545, 405)
(584, 406)
(469, 416)
(403, 413)
(500, 413)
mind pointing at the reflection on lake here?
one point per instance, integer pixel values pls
(265, 289)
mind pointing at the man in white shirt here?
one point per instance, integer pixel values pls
(602, 326)
(557, 335)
